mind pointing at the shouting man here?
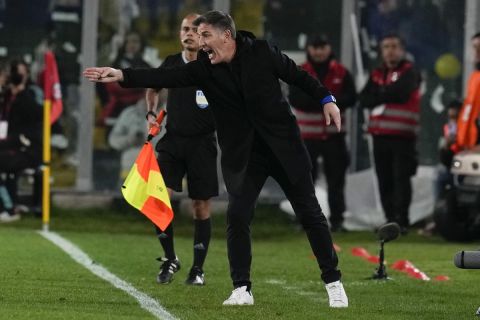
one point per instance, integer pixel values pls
(257, 133)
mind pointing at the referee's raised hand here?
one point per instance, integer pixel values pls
(103, 74)
(151, 119)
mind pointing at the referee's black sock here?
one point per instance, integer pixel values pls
(201, 240)
(166, 240)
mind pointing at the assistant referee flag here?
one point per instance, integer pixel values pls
(145, 189)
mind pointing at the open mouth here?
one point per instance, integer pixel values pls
(210, 53)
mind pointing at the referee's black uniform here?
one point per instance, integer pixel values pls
(189, 148)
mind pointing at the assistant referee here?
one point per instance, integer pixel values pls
(188, 148)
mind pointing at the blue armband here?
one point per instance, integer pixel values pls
(328, 99)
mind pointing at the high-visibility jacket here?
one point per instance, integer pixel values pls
(395, 119)
(467, 130)
(312, 124)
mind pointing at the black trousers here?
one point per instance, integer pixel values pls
(335, 163)
(395, 164)
(263, 163)
(12, 161)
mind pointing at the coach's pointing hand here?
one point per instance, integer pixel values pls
(103, 74)
(331, 112)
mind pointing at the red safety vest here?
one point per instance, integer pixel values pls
(395, 119)
(312, 124)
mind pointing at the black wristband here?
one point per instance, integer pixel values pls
(150, 113)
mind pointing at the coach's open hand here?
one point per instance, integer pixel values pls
(103, 74)
(331, 111)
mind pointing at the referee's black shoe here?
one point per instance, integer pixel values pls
(167, 269)
(196, 277)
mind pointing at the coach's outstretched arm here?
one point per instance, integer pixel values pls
(103, 74)
(176, 77)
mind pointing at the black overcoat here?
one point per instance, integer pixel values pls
(245, 98)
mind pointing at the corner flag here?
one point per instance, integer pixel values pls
(51, 86)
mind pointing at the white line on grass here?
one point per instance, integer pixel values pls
(315, 296)
(146, 302)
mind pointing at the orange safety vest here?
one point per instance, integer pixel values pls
(467, 131)
(312, 124)
(395, 119)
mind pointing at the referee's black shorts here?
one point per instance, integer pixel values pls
(195, 157)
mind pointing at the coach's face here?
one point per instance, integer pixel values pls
(212, 41)
(188, 34)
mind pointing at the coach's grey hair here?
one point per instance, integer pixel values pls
(219, 20)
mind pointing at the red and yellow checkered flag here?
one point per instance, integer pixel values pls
(145, 189)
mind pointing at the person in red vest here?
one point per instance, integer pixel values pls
(392, 93)
(320, 139)
(469, 117)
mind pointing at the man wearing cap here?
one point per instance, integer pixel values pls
(322, 140)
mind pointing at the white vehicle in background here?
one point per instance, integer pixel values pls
(457, 215)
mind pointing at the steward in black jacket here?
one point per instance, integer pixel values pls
(257, 133)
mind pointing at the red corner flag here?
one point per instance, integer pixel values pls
(51, 86)
(144, 187)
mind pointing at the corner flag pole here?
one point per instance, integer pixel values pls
(47, 106)
(52, 109)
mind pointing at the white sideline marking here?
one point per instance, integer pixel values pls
(145, 301)
(275, 281)
(315, 296)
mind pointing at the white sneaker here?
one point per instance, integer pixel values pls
(240, 296)
(336, 295)
(5, 217)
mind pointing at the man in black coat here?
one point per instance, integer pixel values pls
(257, 133)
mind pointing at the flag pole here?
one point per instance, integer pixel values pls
(47, 106)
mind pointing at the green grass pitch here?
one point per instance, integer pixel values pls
(39, 281)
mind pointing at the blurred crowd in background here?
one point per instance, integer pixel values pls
(140, 33)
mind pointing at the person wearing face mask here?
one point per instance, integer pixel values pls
(322, 140)
(392, 93)
(189, 148)
(20, 132)
(258, 136)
